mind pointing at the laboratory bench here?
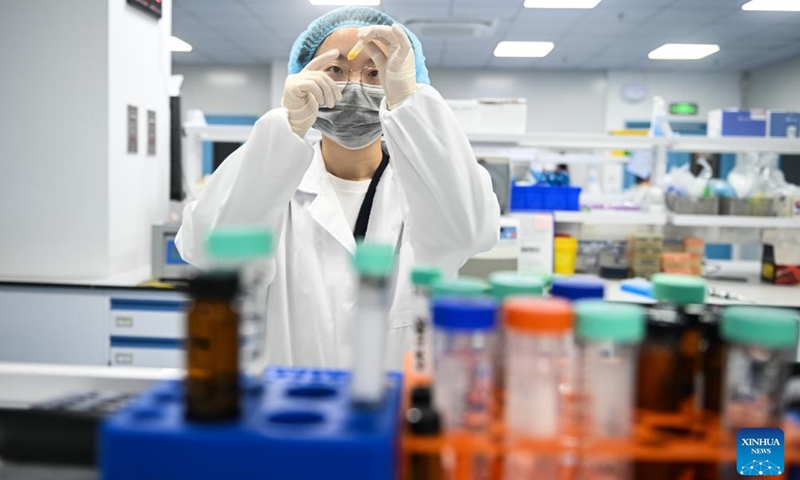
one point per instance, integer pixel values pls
(125, 320)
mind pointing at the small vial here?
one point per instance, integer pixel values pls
(246, 250)
(462, 346)
(422, 420)
(504, 285)
(536, 336)
(422, 277)
(608, 337)
(212, 348)
(374, 263)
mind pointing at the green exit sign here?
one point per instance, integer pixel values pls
(683, 108)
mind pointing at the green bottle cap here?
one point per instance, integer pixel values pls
(239, 243)
(763, 326)
(679, 289)
(374, 259)
(425, 275)
(609, 321)
(505, 284)
(459, 287)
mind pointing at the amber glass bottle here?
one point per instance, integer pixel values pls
(212, 348)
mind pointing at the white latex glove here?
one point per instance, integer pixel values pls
(397, 70)
(304, 92)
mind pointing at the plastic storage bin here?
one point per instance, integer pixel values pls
(693, 206)
(298, 424)
(536, 197)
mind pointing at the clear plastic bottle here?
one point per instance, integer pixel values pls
(762, 345)
(374, 263)
(608, 336)
(536, 332)
(422, 277)
(462, 345)
(505, 285)
(246, 250)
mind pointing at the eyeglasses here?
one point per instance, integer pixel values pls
(343, 72)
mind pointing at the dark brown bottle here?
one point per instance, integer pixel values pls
(423, 420)
(212, 348)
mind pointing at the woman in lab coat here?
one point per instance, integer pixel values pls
(424, 193)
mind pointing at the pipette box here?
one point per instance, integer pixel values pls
(296, 424)
(735, 122)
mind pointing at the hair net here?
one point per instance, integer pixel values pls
(307, 43)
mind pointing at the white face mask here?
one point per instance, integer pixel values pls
(353, 122)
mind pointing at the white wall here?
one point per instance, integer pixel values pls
(73, 203)
(53, 131)
(226, 90)
(776, 87)
(557, 101)
(708, 90)
(138, 184)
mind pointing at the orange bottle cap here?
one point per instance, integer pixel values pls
(538, 315)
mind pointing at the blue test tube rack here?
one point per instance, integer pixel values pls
(296, 424)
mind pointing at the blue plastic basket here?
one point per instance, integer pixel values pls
(296, 424)
(544, 198)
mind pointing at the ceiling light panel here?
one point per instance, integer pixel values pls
(683, 51)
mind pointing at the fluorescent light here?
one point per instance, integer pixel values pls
(178, 45)
(772, 5)
(523, 49)
(561, 3)
(682, 51)
(340, 3)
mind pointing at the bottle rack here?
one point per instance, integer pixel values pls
(691, 442)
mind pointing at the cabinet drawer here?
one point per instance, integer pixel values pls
(147, 318)
(143, 356)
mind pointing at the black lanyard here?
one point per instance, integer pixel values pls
(360, 231)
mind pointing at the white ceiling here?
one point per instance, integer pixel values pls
(617, 34)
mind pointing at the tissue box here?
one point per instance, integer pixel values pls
(503, 115)
(783, 124)
(737, 123)
(467, 113)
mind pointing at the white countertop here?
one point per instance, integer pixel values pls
(130, 278)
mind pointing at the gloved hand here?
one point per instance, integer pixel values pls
(304, 92)
(397, 70)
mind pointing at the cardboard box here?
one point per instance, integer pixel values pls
(734, 122)
(503, 115)
(780, 264)
(783, 124)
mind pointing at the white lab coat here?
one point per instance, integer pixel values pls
(434, 202)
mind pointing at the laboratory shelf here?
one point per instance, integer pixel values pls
(734, 221)
(567, 141)
(735, 145)
(611, 217)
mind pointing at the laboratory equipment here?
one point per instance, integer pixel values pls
(762, 342)
(212, 348)
(462, 390)
(645, 254)
(613, 260)
(374, 263)
(166, 262)
(246, 250)
(608, 337)
(566, 250)
(782, 123)
(537, 334)
(422, 421)
(577, 288)
(301, 425)
(737, 122)
(357, 48)
(422, 277)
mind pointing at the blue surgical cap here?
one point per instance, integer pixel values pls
(307, 43)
